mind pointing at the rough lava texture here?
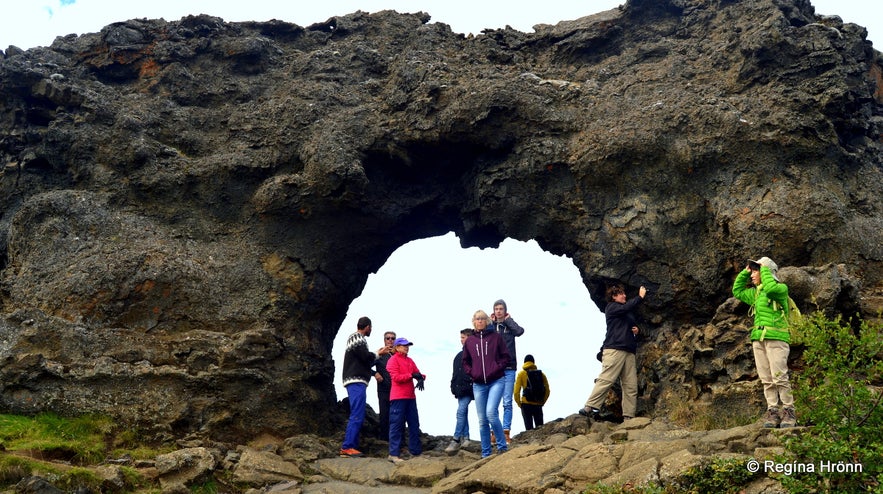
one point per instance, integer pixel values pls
(187, 208)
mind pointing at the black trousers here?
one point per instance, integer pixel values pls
(383, 404)
(533, 415)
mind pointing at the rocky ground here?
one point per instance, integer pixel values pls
(565, 456)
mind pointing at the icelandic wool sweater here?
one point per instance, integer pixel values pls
(401, 368)
(357, 360)
(521, 383)
(485, 356)
(770, 302)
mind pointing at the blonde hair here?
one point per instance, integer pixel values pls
(480, 314)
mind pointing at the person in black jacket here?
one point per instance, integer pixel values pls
(461, 388)
(509, 329)
(384, 385)
(618, 354)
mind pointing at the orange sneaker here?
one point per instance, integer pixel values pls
(350, 453)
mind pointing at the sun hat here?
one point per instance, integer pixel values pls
(766, 261)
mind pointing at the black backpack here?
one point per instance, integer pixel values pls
(535, 390)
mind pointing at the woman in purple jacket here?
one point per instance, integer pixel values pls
(484, 358)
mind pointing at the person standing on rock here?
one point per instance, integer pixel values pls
(403, 401)
(461, 388)
(485, 357)
(618, 354)
(758, 286)
(357, 363)
(384, 385)
(509, 329)
(531, 393)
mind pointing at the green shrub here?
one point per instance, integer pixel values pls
(838, 397)
(717, 475)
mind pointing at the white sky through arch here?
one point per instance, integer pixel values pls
(427, 292)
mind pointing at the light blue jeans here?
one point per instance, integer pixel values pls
(461, 430)
(509, 376)
(487, 406)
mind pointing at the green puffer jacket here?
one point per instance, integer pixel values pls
(769, 301)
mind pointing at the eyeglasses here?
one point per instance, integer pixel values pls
(389, 338)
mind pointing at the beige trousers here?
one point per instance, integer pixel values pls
(617, 364)
(771, 359)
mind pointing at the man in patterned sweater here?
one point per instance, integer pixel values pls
(357, 364)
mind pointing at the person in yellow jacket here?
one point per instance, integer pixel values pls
(758, 285)
(529, 394)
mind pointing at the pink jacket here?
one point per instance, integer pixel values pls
(400, 368)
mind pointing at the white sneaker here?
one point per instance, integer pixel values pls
(452, 447)
(395, 459)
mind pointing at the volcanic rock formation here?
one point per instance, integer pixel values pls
(187, 208)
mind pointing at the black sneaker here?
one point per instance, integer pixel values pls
(592, 413)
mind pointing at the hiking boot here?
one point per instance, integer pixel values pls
(464, 442)
(453, 447)
(592, 413)
(789, 418)
(350, 453)
(395, 459)
(771, 418)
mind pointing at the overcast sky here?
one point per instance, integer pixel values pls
(428, 289)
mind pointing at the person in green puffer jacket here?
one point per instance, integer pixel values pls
(758, 286)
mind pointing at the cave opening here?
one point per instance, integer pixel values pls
(428, 290)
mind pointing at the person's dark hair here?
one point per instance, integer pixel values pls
(363, 323)
(467, 331)
(614, 290)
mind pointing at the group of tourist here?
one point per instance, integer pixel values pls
(397, 376)
(486, 369)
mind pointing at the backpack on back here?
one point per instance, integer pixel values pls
(535, 390)
(794, 318)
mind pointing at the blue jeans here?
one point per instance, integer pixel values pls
(357, 394)
(509, 376)
(487, 406)
(401, 412)
(461, 430)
